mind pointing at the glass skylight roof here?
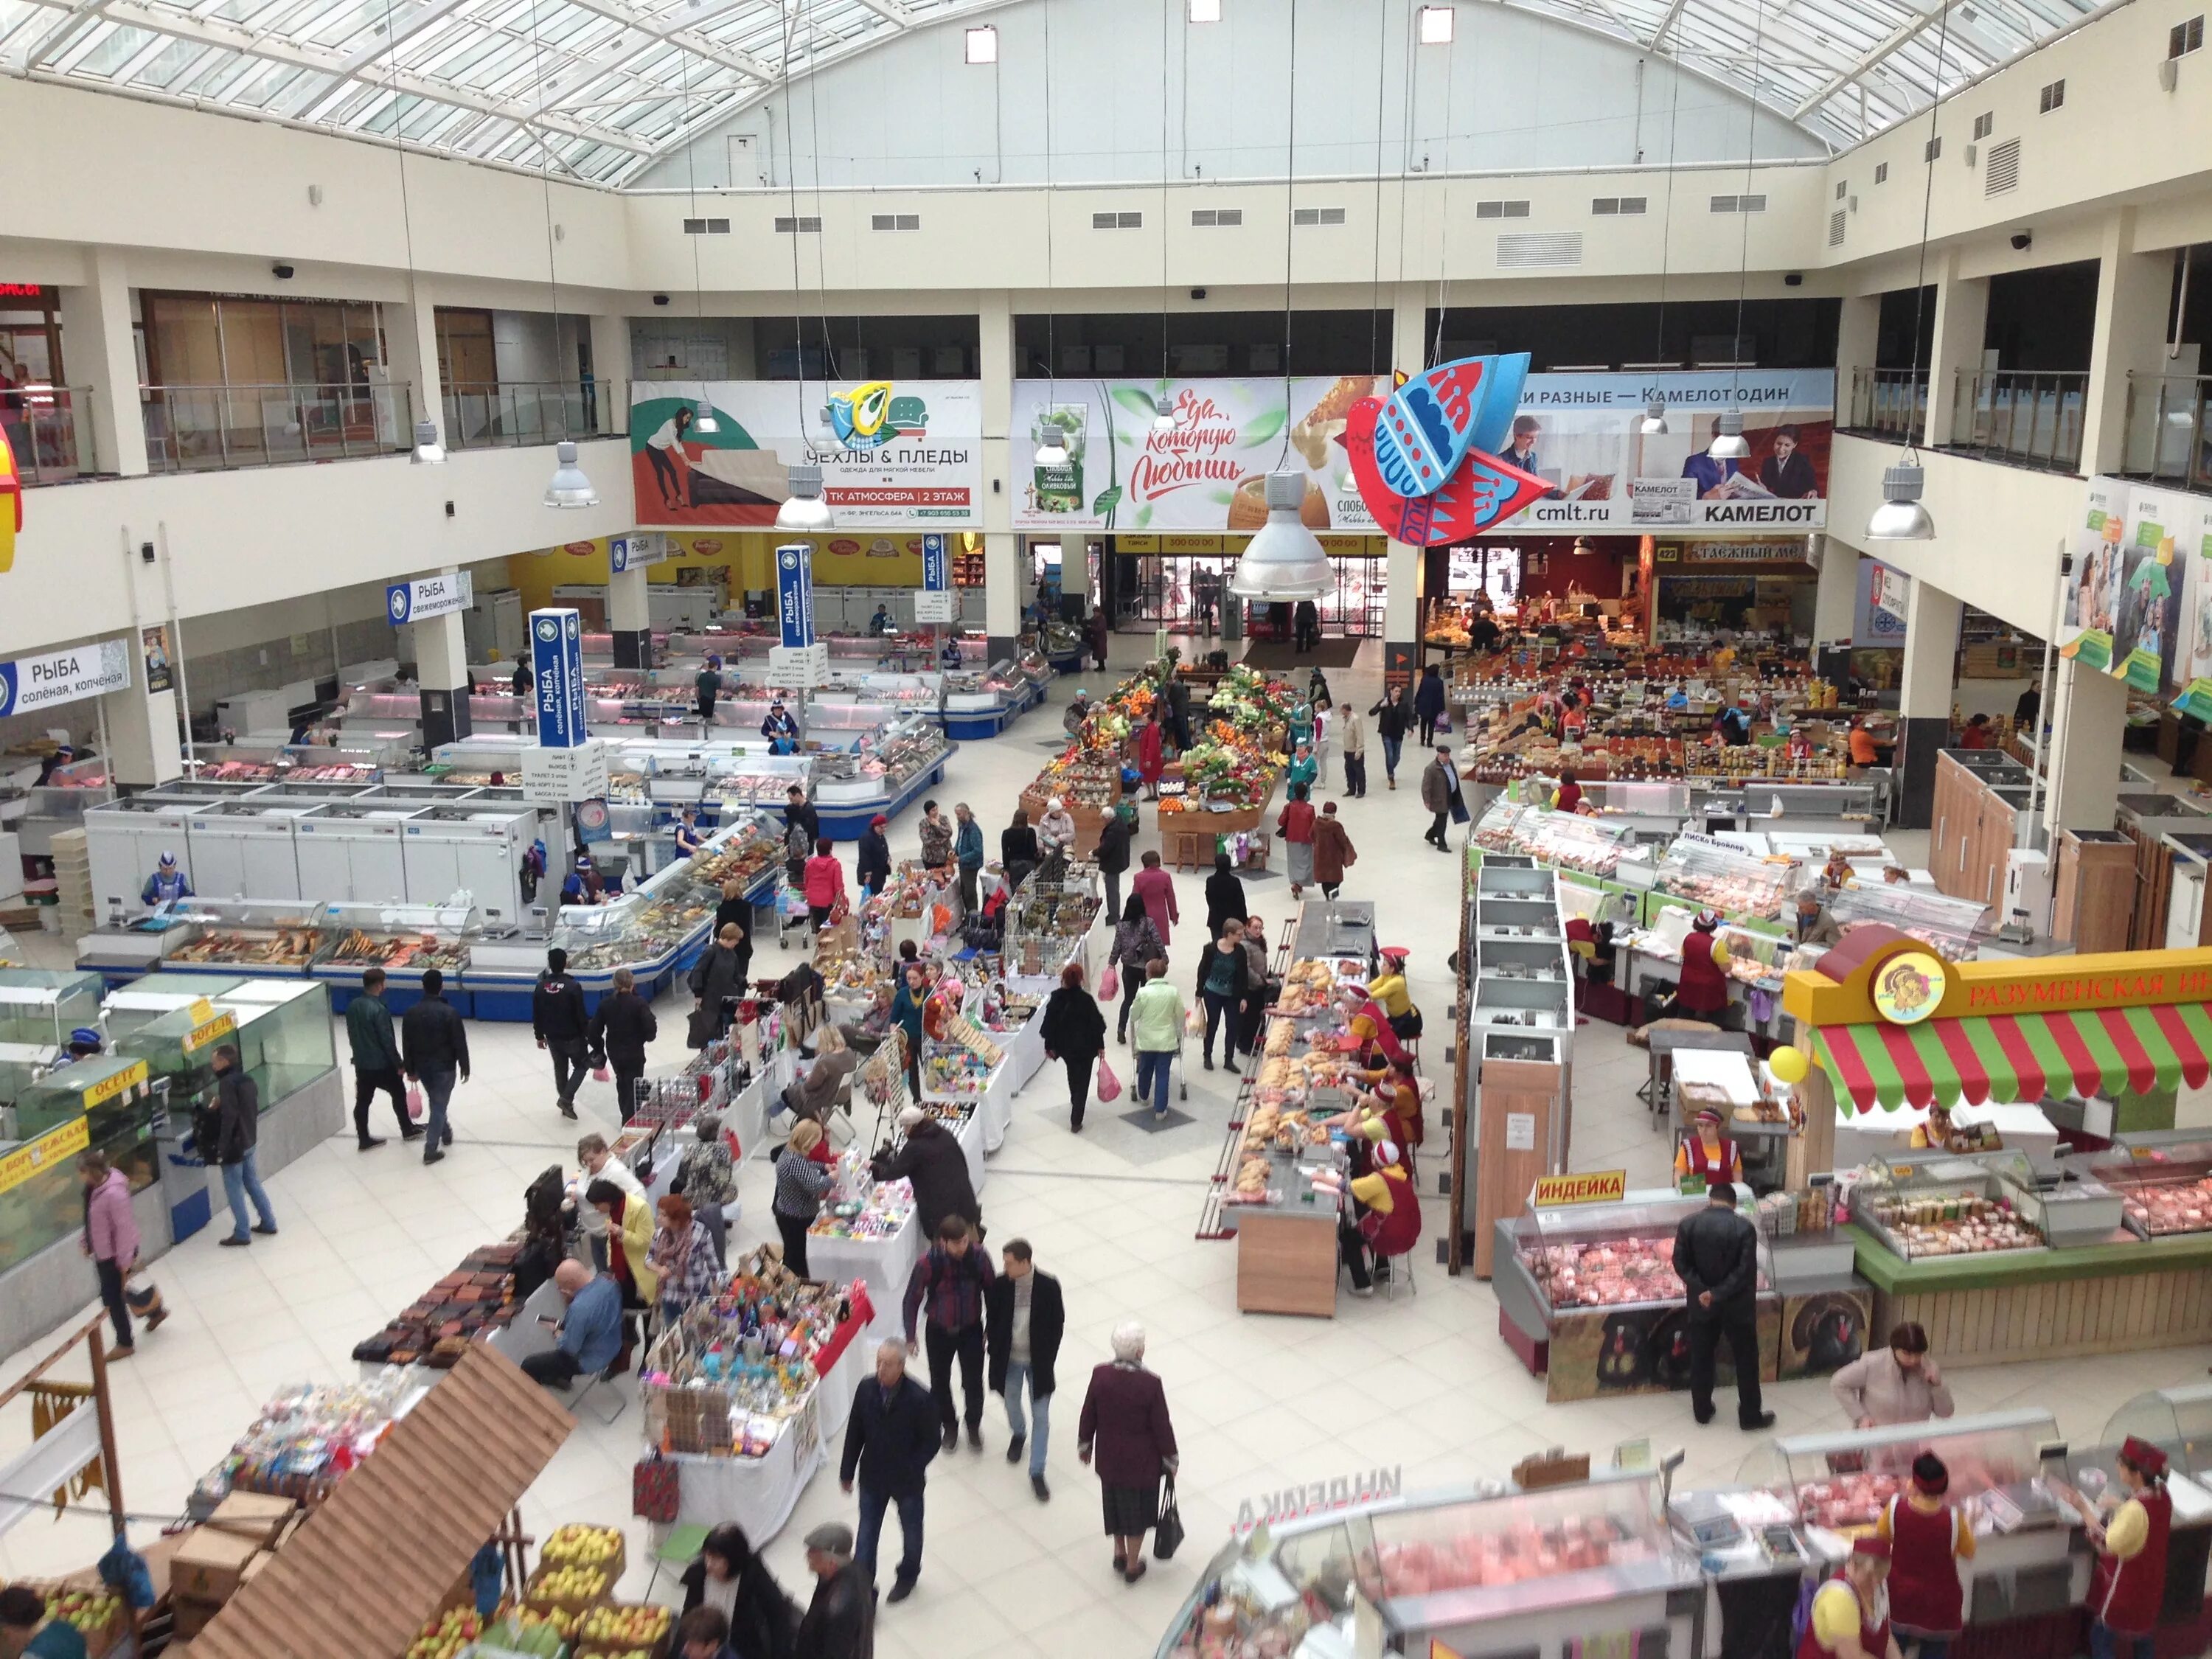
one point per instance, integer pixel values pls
(598, 88)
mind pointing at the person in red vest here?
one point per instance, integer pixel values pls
(1568, 796)
(1850, 1613)
(1927, 1540)
(1708, 1154)
(2129, 1584)
(1702, 990)
(1392, 1225)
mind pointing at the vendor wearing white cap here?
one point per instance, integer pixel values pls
(1056, 829)
(166, 884)
(1707, 1155)
(1392, 1222)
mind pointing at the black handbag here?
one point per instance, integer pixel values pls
(1167, 1532)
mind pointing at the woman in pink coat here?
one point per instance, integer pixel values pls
(1152, 759)
(824, 880)
(110, 1239)
(1157, 888)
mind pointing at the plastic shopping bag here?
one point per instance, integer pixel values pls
(1194, 1022)
(416, 1107)
(1109, 1085)
(602, 1074)
(1109, 983)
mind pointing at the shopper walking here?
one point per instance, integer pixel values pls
(1136, 944)
(968, 849)
(621, 1027)
(840, 1622)
(1157, 889)
(1151, 752)
(736, 910)
(1223, 979)
(238, 1127)
(824, 883)
(1224, 897)
(906, 1014)
(1295, 824)
(1156, 1021)
(1112, 856)
(1333, 851)
(933, 1164)
(1126, 1428)
(872, 859)
(1896, 1384)
(375, 1061)
(1351, 742)
(1075, 1033)
(1018, 849)
(1440, 796)
(558, 1019)
(708, 1176)
(434, 1046)
(947, 1285)
(801, 1183)
(1305, 624)
(889, 1438)
(717, 980)
(802, 828)
(1178, 695)
(1717, 1256)
(1429, 702)
(1258, 991)
(730, 1580)
(1391, 715)
(1025, 1317)
(110, 1239)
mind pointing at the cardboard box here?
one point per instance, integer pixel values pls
(211, 1564)
(189, 1616)
(251, 1515)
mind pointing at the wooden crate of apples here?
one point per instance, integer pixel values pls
(620, 1631)
(95, 1614)
(577, 1544)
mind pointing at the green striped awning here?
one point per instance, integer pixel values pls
(2098, 1051)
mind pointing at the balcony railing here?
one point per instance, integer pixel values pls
(49, 430)
(2170, 429)
(194, 428)
(520, 413)
(2020, 417)
(1890, 402)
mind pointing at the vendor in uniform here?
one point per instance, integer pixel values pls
(1708, 1153)
(1389, 988)
(779, 723)
(1836, 871)
(1569, 796)
(1702, 990)
(1392, 1223)
(1850, 1613)
(688, 839)
(2129, 1584)
(166, 884)
(1938, 1131)
(583, 885)
(1927, 1540)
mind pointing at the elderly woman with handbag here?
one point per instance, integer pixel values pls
(1125, 1428)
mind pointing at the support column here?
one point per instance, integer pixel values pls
(1006, 583)
(1858, 330)
(629, 616)
(103, 355)
(2134, 293)
(610, 373)
(1835, 608)
(441, 668)
(410, 350)
(1402, 600)
(144, 749)
(1954, 352)
(2084, 765)
(1931, 654)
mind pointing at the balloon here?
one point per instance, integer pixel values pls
(1787, 1063)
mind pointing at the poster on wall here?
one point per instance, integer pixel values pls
(2194, 553)
(1878, 616)
(2089, 609)
(156, 643)
(2147, 637)
(1582, 434)
(893, 453)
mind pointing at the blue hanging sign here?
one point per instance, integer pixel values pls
(794, 593)
(556, 660)
(936, 572)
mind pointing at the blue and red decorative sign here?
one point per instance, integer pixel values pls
(1426, 459)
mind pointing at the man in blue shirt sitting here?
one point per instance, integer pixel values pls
(23, 1610)
(591, 1334)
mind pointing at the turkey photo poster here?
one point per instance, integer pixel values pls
(2148, 623)
(2089, 613)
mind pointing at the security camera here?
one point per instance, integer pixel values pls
(282, 273)
(2022, 240)
(661, 299)
(1794, 279)
(146, 552)
(1198, 294)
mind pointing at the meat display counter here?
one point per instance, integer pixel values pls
(1564, 840)
(906, 758)
(403, 940)
(981, 702)
(1551, 1574)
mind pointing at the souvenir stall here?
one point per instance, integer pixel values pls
(866, 1232)
(1999, 1259)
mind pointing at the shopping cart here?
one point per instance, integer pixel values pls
(792, 916)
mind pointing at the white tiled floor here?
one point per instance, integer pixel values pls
(1258, 1402)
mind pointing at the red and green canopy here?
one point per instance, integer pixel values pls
(2011, 1057)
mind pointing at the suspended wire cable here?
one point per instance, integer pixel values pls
(1667, 219)
(1750, 150)
(1374, 276)
(1444, 218)
(1927, 207)
(821, 261)
(791, 189)
(1290, 228)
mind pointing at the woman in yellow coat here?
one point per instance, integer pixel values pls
(629, 1238)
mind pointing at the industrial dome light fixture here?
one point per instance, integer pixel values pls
(1284, 560)
(428, 452)
(1729, 442)
(707, 426)
(1585, 547)
(804, 508)
(1654, 424)
(1901, 517)
(569, 487)
(1053, 452)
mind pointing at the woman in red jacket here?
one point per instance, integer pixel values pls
(1927, 1540)
(1150, 759)
(1702, 992)
(2129, 1584)
(824, 880)
(1125, 1422)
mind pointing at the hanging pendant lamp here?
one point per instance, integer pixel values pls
(1728, 443)
(428, 452)
(569, 487)
(1655, 419)
(804, 508)
(1053, 452)
(1901, 517)
(706, 425)
(1284, 560)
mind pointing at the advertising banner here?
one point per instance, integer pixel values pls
(893, 453)
(937, 602)
(1580, 433)
(2193, 551)
(2146, 639)
(2088, 616)
(59, 677)
(556, 659)
(794, 594)
(427, 597)
(156, 642)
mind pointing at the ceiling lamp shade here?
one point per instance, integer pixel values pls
(570, 488)
(1163, 422)
(1901, 517)
(705, 424)
(804, 508)
(1585, 547)
(1728, 444)
(1053, 452)
(1284, 561)
(1654, 418)
(428, 452)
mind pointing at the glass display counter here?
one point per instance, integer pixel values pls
(2177, 1421)
(107, 1103)
(2164, 1189)
(1566, 841)
(1947, 925)
(1710, 873)
(146, 999)
(1839, 1483)
(258, 936)
(403, 939)
(39, 1008)
(1919, 1207)
(850, 788)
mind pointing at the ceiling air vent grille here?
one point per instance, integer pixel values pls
(2002, 172)
(1538, 250)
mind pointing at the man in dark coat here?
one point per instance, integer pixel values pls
(620, 1030)
(932, 1161)
(237, 1127)
(839, 1623)
(1025, 1316)
(435, 1047)
(375, 1061)
(1716, 1255)
(889, 1441)
(1113, 859)
(559, 1021)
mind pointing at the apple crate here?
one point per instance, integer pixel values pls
(615, 1565)
(537, 1597)
(658, 1650)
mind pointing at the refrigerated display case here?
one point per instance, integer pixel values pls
(1837, 1483)
(1946, 925)
(1919, 1205)
(849, 789)
(2164, 1186)
(242, 936)
(39, 1007)
(107, 1103)
(1566, 841)
(403, 939)
(1711, 874)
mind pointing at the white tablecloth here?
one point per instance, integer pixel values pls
(759, 1493)
(972, 1136)
(1025, 1050)
(995, 1111)
(884, 1265)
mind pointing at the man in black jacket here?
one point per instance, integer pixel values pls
(802, 828)
(932, 1161)
(434, 1046)
(620, 1029)
(237, 1127)
(1113, 860)
(1716, 1255)
(1025, 1317)
(889, 1438)
(375, 1061)
(558, 1018)
(840, 1622)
